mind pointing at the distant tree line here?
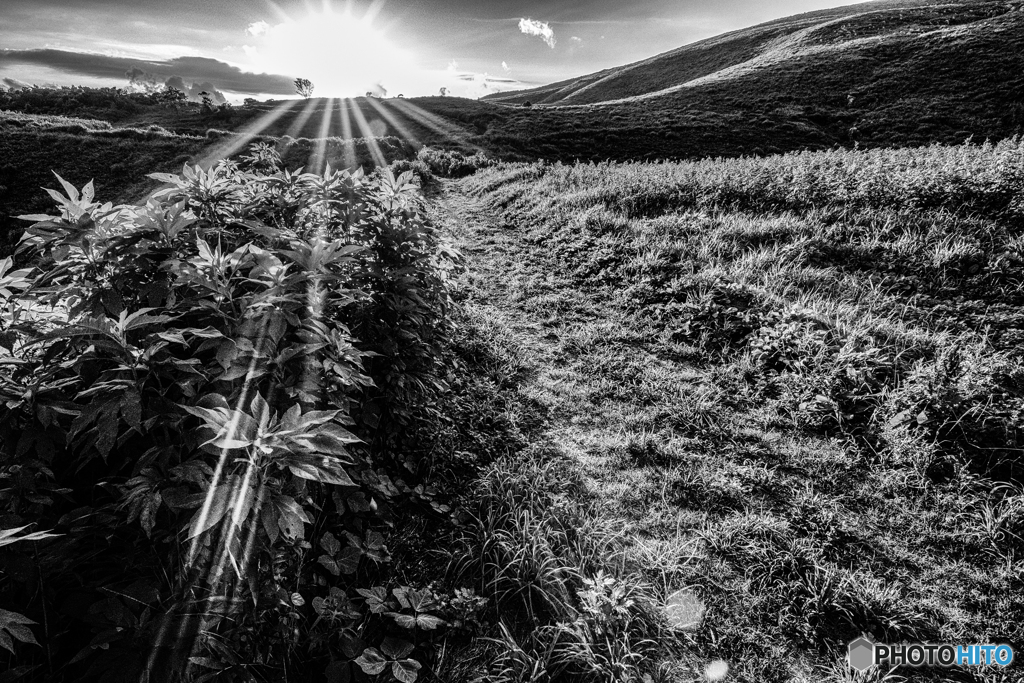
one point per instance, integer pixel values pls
(110, 104)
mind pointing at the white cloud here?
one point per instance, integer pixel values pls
(577, 39)
(453, 65)
(505, 67)
(532, 27)
(257, 28)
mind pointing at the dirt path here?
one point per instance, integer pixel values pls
(604, 381)
(699, 492)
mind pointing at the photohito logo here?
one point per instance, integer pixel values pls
(864, 654)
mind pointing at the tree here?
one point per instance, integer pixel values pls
(171, 95)
(444, 92)
(304, 87)
(207, 100)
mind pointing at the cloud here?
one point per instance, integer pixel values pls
(13, 84)
(453, 65)
(577, 39)
(532, 27)
(201, 70)
(257, 28)
(504, 67)
(486, 79)
(195, 90)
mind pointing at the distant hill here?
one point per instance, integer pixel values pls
(852, 41)
(895, 72)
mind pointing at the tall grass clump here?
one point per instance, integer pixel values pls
(569, 606)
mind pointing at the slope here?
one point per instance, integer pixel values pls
(921, 25)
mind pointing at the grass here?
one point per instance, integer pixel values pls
(809, 442)
(118, 162)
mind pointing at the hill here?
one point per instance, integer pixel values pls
(879, 73)
(846, 34)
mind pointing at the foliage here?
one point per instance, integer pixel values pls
(118, 160)
(451, 163)
(221, 390)
(304, 87)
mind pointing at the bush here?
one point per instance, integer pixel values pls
(211, 399)
(453, 164)
(417, 167)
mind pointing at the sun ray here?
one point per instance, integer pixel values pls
(346, 133)
(300, 120)
(276, 9)
(435, 123)
(367, 133)
(246, 134)
(382, 109)
(217, 569)
(320, 149)
(373, 10)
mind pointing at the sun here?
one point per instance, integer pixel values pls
(343, 55)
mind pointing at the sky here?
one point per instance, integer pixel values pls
(255, 48)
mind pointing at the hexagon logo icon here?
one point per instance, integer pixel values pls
(862, 654)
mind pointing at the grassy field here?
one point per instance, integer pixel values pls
(792, 386)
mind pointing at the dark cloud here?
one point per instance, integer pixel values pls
(13, 84)
(202, 70)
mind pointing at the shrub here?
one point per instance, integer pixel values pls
(420, 169)
(212, 399)
(453, 164)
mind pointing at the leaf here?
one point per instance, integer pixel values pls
(428, 622)
(348, 560)
(219, 504)
(68, 187)
(403, 620)
(13, 625)
(376, 598)
(329, 543)
(323, 470)
(405, 670)
(9, 536)
(290, 516)
(270, 518)
(328, 562)
(371, 661)
(396, 648)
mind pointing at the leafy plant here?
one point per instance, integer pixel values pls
(203, 386)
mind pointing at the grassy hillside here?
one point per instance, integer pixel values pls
(920, 26)
(793, 386)
(876, 74)
(879, 73)
(31, 147)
